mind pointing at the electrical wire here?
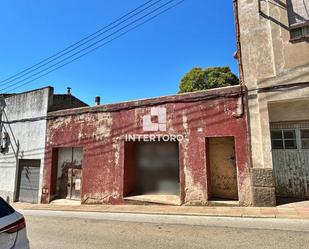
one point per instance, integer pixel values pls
(153, 102)
(76, 43)
(93, 44)
(133, 105)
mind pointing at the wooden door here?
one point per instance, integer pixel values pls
(222, 166)
(74, 182)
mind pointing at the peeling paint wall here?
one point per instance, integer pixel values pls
(27, 139)
(24, 120)
(101, 132)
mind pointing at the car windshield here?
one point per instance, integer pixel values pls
(5, 209)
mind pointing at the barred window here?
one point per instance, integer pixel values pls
(298, 14)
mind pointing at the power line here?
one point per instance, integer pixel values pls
(75, 46)
(88, 47)
(186, 99)
(95, 48)
(108, 108)
(92, 36)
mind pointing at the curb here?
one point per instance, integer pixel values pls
(290, 215)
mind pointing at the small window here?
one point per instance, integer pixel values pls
(277, 139)
(304, 135)
(290, 134)
(276, 135)
(290, 144)
(298, 16)
(277, 144)
(297, 33)
(283, 139)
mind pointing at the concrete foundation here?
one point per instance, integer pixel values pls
(263, 187)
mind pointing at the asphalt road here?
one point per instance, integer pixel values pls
(65, 230)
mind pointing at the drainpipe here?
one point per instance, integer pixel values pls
(238, 56)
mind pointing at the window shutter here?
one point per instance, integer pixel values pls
(298, 12)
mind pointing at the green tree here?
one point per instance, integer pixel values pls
(201, 79)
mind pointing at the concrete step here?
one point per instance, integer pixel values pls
(223, 203)
(153, 199)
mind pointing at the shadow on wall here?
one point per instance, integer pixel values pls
(191, 111)
(293, 17)
(6, 134)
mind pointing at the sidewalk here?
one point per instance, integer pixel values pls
(299, 210)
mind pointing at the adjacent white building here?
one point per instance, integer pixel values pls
(23, 132)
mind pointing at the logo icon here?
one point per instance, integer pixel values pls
(156, 120)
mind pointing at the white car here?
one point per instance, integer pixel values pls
(13, 233)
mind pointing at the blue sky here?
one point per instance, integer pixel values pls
(146, 62)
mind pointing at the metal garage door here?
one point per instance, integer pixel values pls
(290, 150)
(28, 181)
(157, 169)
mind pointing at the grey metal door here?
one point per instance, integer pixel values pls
(290, 151)
(157, 169)
(28, 181)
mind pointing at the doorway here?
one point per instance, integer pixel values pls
(222, 168)
(151, 172)
(69, 174)
(28, 180)
(290, 150)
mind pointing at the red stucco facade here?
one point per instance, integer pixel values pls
(101, 131)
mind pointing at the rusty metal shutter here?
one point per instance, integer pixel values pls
(28, 181)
